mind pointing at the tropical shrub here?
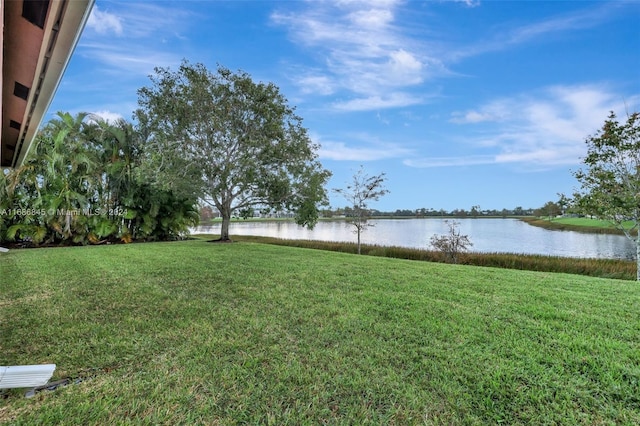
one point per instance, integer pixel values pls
(79, 185)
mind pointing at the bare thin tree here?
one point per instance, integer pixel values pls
(362, 190)
(452, 243)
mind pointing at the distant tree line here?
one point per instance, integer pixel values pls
(475, 211)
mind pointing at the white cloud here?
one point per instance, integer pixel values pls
(505, 37)
(142, 31)
(104, 22)
(155, 20)
(550, 128)
(393, 100)
(365, 51)
(495, 111)
(542, 129)
(575, 21)
(552, 156)
(372, 18)
(404, 67)
(470, 160)
(108, 116)
(340, 152)
(369, 150)
(318, 84)
(471, 117)
(118, 58)
(362, 51)
(469, 3)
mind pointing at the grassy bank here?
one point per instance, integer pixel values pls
(199, 333)
(603, 268)
(578, 224)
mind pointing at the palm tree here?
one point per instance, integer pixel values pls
(82, 181)
(18, 217)
(67, 173)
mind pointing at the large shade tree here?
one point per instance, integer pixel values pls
(611, 177)
(231, 141)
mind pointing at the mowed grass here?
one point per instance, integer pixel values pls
(245, 333)
(603, 268)
(584, 221)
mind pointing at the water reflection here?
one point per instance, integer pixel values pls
(487, 235)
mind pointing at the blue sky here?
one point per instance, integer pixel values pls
(460, 103)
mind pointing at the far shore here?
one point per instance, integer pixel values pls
(580, 224)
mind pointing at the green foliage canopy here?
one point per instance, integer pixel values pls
(232, 142)
(611, 177)
(80, 185)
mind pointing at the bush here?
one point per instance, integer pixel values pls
(452, 243)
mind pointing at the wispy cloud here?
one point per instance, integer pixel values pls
(116, 59)
(376, 102)
(108, 116)
(543, 129)
(468, 3)
(469, 160)
(493, 111)
(134, 39)
(120, 47)
(580, 20)
(138, 20)
(313, 82)
(506, 37)
(365, 55)
(360, 148)
(103, 22)
(362, 52)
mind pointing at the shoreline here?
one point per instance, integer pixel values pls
(560, 226)
(553, 225)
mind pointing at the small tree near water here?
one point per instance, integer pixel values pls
(362, 189)
(452, 243)
(610, 179)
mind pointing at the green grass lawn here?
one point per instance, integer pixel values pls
(199, 333)
(584, 221)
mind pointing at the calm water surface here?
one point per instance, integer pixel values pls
(487, 235)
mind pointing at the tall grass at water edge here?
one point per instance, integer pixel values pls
(603, 268)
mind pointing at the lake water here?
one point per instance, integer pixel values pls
(487, 235)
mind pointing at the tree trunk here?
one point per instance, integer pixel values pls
(359, 241)
(226, 219)
(638, 256)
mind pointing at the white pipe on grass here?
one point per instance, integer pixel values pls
(25, 376)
